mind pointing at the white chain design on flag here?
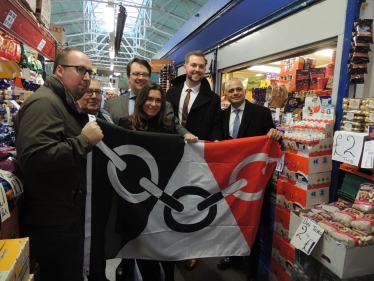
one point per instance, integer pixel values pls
(151, 188)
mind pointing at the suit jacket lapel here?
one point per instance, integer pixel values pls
(226, 122)
(175, 97)
(246, 118)
(125, 104)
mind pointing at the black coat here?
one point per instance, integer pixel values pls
(256, 121)
(204, 118)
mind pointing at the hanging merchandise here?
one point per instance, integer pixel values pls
(362, 37)
(167, 74)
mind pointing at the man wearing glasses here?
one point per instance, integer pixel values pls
(52, 141)
(90, 103)
(138, 74)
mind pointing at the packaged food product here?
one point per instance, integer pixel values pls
(365, 198)
(365, 224)
(347, 215)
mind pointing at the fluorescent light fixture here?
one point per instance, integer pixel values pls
(265, 68)
(111, 66)
(109, 17)
(117, 73)
(111, 53)
(325, 52)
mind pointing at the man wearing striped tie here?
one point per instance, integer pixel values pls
(244, 119)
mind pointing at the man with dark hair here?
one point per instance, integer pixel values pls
(53, 138)
(196, 105)
(138, 75)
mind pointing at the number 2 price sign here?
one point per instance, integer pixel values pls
(307, 236)
(348, 147)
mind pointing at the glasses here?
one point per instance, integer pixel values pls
(138, 74)
(96, 92)
(81, 70)
(239, 90)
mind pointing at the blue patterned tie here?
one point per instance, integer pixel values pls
(236, 124)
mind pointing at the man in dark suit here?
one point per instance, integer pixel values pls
(200, 114)
(244, 119)
(196, 105)
(138, 74)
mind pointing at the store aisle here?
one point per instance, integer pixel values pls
(206, 270)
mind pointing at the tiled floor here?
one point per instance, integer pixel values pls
(205, 270)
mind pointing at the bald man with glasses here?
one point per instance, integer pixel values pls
(53, 138)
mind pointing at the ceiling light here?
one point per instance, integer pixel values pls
(121, 19)
(111, 66)
(325, 52)
(265, 68)
(111, 53)
(109, 17)
(117, 73)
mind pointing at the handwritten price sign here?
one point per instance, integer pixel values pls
(348, 147)
(307, 236)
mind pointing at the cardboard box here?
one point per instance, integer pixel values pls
(10, 228)
(283, 253)
(344, 262)
(277, 273)
(294, 198)
(14, 259)
(58, 32)
(9, 69)
(308, 182)
(30, 4)
(307, 164)
(43, 11)
(282, 222)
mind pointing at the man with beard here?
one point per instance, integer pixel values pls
(90, 103)
(53, 139)
(196, 105)
(193, 102)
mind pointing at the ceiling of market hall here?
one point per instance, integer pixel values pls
(149, 25)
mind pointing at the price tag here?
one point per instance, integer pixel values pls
(280, 164)
(14, 182)
(4, 208)
(41, 45)
(307, 236)
(10, 18)
(348, 146)
(368, 155)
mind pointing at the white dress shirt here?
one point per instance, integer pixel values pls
(131, 103)
(193, 95)
(233, 115)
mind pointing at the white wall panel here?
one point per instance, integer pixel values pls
(316, 23)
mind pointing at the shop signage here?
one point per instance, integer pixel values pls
(307, 236)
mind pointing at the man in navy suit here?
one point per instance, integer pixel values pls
(244, 119)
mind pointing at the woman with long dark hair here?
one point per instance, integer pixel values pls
(150, 116)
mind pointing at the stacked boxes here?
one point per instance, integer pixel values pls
(58, 32)
(43, 12)
(14, 259)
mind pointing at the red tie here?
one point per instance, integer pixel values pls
(185, 107)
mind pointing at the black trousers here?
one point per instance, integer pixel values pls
(58, 250)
